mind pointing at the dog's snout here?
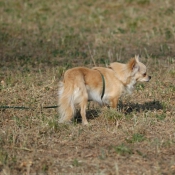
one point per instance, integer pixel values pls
(149, 77)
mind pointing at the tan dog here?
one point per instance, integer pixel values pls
(103, 85)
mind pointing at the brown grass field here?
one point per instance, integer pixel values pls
(39, 40)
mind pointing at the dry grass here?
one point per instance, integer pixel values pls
(39, 40)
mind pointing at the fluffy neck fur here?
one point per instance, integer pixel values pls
(130, 85)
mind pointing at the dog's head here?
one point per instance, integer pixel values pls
(133, 70)
(138, 70)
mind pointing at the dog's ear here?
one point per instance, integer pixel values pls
(137, 58)
(133, 65)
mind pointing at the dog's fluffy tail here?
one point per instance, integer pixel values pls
(65, 102)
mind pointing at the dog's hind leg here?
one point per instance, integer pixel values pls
(83, 105)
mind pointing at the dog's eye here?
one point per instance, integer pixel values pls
(144, 74)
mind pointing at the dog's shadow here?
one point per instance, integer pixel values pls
(125, 108)
(90, 114)
(147, 106)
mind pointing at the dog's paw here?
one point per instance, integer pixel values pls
(85, 123)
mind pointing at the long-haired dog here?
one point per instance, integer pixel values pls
(103, 85)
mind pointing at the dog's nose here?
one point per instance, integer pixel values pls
(150, 77)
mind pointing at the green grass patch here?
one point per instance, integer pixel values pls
(123, 150)
(136, 137)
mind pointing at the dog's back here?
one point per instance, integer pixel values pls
(81, 84)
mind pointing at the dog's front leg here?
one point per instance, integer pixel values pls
(114, 102)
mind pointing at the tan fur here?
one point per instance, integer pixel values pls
(81, 84)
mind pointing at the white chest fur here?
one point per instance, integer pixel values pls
(129, 87)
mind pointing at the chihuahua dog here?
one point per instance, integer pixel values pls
(103, 85)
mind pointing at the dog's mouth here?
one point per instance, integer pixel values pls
(149, 78)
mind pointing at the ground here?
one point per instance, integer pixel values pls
(39, 40)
